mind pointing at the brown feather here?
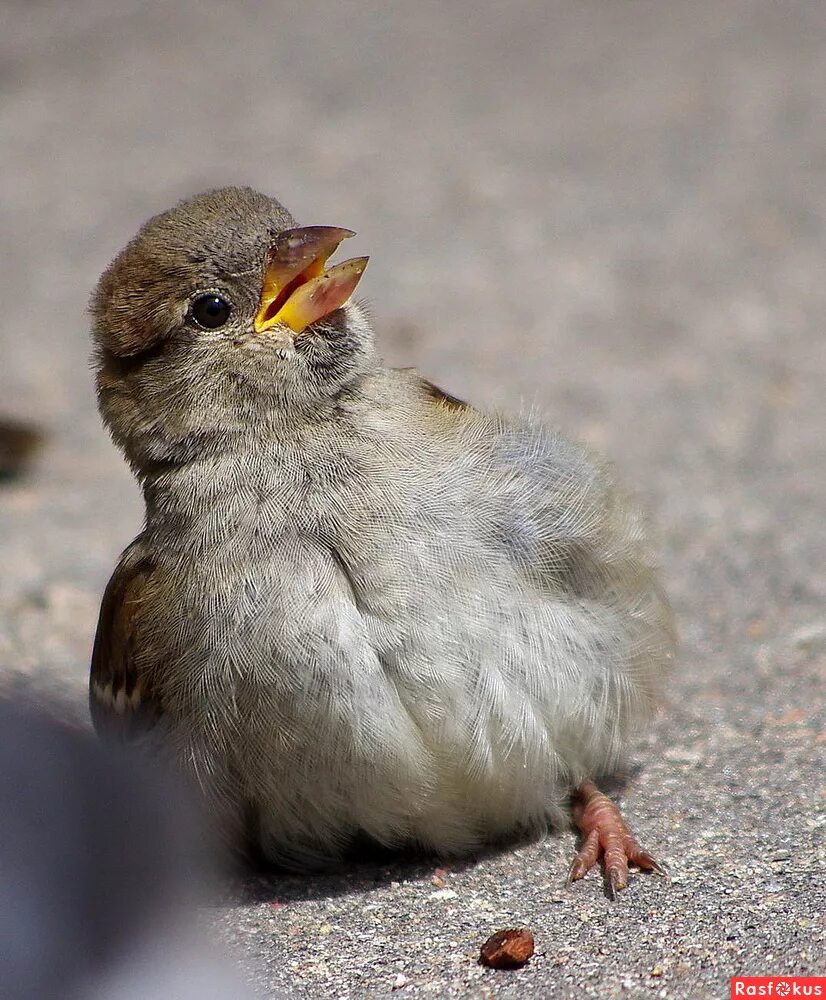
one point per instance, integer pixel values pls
(120, 693)
(443, 398)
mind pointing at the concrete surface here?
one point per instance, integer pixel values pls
(613, 209)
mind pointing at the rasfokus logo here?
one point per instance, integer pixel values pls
(778, 986)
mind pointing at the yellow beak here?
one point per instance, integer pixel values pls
(297, 289)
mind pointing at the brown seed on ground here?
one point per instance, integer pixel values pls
(507, 949)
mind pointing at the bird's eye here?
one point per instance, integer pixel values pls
(210, 311)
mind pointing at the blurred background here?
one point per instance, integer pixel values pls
(611, 209)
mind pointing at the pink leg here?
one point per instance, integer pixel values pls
(605, 833)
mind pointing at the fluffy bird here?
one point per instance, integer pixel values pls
(359, 607)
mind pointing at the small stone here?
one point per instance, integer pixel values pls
(439, 877)
(443, 894)
(508, 949)
(810, 634)
(682, 756)
(400, 981)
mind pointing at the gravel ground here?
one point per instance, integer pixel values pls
(612, 210)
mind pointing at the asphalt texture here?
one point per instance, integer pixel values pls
(613, 210)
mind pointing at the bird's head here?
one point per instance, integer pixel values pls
(221, 314)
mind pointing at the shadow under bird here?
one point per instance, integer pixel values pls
(359, 607)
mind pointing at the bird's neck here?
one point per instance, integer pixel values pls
(225, 495)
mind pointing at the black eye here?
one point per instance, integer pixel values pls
(210, 311)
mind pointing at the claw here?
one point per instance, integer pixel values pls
(575, 872)
(658, 867)
(617, 880)
(613, 883)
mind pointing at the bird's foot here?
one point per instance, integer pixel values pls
(605, 834)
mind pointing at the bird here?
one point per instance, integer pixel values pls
(360, 609)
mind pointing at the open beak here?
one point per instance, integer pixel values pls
(297, 289)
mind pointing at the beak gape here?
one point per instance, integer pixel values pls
(297, 289)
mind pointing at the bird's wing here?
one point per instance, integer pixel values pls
(429, 394)
(442, 398)
(121, 698)
(552, 507)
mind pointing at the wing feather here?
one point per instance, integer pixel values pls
(121, 699)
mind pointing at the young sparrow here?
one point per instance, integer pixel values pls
(359, 607)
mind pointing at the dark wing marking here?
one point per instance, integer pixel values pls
(433, 394)
(443, 398)
(120, 693)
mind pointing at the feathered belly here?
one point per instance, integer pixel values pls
(334, 712)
